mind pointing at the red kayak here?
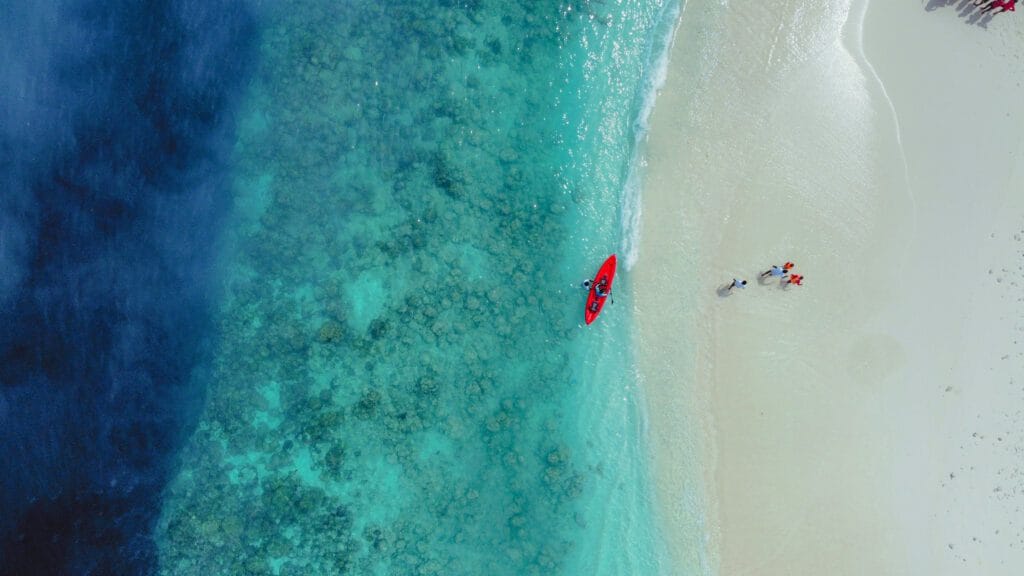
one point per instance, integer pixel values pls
(602, 281)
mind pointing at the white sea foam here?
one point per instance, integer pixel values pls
(654, 80)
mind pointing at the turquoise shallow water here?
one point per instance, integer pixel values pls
(403, 382)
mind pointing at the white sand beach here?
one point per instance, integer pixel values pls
(872, 420)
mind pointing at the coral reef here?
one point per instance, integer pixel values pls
(378, 375)
(396, 342)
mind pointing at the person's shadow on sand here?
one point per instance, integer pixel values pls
(966, 9)
(780, 283)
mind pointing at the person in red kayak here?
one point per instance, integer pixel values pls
(1002, 5)
(600, 291)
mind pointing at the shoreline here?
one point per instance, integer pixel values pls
(812, 137)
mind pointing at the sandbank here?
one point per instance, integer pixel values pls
(867, 422)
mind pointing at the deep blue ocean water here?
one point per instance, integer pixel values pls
(115, 123)
(290, 287)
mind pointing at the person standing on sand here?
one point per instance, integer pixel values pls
(795, 279)
(1003, 5)
(777, 271)
(737, 284)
